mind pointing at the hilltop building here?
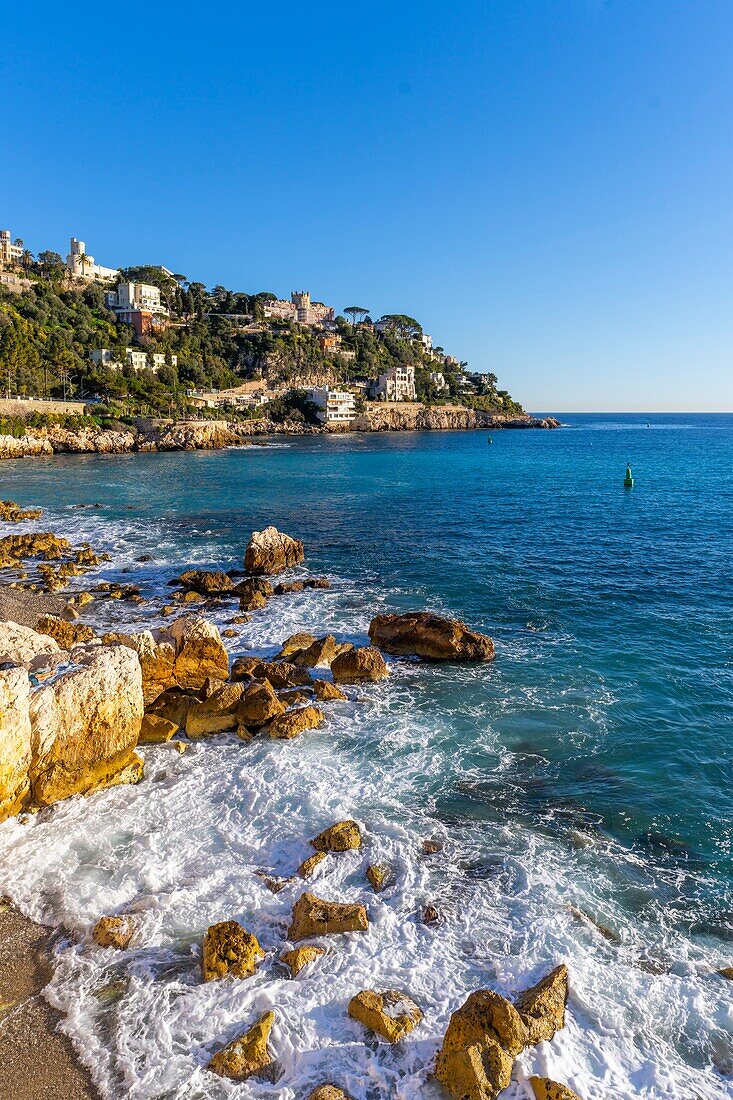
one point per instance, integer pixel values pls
(134, 357)
(82, 266)
(139, 305)
(300, 309)
(396, 384)
(11, 251)
(334, 406)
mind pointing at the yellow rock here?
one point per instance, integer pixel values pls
(477, 1072)
(218, 712)
(259, 704)
(246, 1055)
(545, 1089)
(357, 665)
(312, 916)
(341, 837)
(377, 876)
(542, 1007)
(300, 957)
(296, 643)
(391, 1014)
(15, 740)
(65, 633)
(287, 726)
(230, 951)
(309, 865)
(155, 730)
(726, 972)
(114, 932)
(327, 692)
(479, 1047)
(328, 1092)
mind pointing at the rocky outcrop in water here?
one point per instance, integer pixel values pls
(383, 417)
(230, 951)
(357, 665)
(270, 551)
(312, 916)
(391, 1014)
(183, 655)
(432, 637)
(246, 1055)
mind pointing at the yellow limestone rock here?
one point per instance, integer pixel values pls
(391, 1014)
(15, 740)
(65, 633)
(156, 661)
(378, 876)
(483, 1037)
(341, 837)
(200, 652)
(309, 865)
(300, 957)
(542, 1007)
(545, 1089)
(326, 692)
(230, 951)
(218, 712)
(259, 704)
(312, 916)
(155, 730)
(296, 643)
(287, 726)
(329, 1092)
(270, 551)
(246, 1055)
(357, 665)
(114, 932)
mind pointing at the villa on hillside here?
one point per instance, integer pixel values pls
(134, 357)
(334, 406)
(300, 309)
(396, 384)
(82, 266)
(11, 252)
(139, 305)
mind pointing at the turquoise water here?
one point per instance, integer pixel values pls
(599, 741)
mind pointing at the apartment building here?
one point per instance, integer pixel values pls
(139, 305)
(396, 384)
(134, 357)
(11, 251)
(334, 406)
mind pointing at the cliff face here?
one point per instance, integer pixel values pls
(215, 434)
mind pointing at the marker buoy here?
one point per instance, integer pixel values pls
(629, 479)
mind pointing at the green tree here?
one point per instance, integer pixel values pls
(356, 313)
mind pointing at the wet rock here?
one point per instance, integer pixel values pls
(358, 665)
(15, 740)
(230, 952)
(67, 634)
(173, 706)
(168, 609)
(254, 584)
(329, 1092)
(545, 1089)
(326, 692)
(253, 601)
(309, 865)
(186, 597)
(19, 645)
(270, 551)
(300, 957)
(378, 876)
(726, 972)
(321, 652)
(477, 1054)
(296, 643)
(246, 1055)
(207, 582)
(156, 658)
(218, 712)
(391, 1014)
(199, 651)
(542, 1007)
(287, 726)
(284, 587)
(293, 697)
(431, 847)
(114, 932)
(244, 668)
(10, 512)
(312, 916)
(432, 637)
(144, 558)
(282, 674)
(344, 836)
(431, 915)
(259, 704)
(240, 620)
(86, 725)
(317, 582)
(156, 730)
(585, 918)
(229, 633)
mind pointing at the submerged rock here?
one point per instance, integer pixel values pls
(246, 1055)
(230, 951)
(357, 665)
(341, 837)
(391, 1014)
(270, 551)
(300, 957)
(114, 932)
(378, 876)
(432, 637)
(545, 1089)
(312, 916)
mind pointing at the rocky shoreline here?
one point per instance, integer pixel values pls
(149, 436)
(76, 706)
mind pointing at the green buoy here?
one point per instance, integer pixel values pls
(489, 440)
(629, 479)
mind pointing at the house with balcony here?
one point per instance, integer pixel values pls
(334, 406)
(396, 384)
(134, 357)
(138, 305)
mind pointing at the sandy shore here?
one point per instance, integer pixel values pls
(37, 1061)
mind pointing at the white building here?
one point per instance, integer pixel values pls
(11, 252)
(426, 341)
(130, 296)
(334, 406)
(134, 357)
(438, 380)
(82, 266)
(396, 384)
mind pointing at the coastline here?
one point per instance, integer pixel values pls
(146, 436)
(38, 1060)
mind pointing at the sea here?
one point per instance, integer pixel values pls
(580, 784)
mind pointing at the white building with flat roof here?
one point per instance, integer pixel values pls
(334, 406)
(134, 357)
(396, 384)
(83, 266)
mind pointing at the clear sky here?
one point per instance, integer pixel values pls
(545, 184)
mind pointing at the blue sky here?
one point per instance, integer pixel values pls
(546, 185)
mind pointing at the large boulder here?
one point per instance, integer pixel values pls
(542, 1007)
(230, 951)
(294, 722)
(216, 713)
(156, 659)
(357, 665)
(207, 582)
(326, 692)
(344, 836)
(545, 1089)
(15, 740)
(391, 1014)
(246, 1055)
(432, 637)
(312, 916)
(19, 645)
(270, 551)
(259, 704)
(85, 725)
(199, 652)
(296, 643)
(477, 1055)
(321, 652)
